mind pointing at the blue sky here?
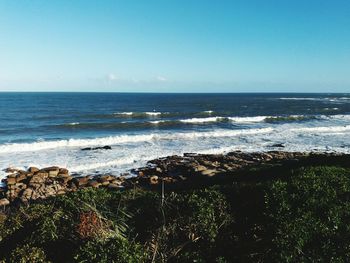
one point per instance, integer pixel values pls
(175, 46)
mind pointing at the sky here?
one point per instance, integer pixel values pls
(175, 45)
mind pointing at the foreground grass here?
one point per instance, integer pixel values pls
(300, 215)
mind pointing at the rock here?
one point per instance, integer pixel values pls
(97, 148)
(278, 145)
(42, 174)
(94, 184)
(63, 175)
(33, 169)
(20, 177)
(81, 181)
(118, 182)
(63, 171)
(10, 170)
(27, 194)
(153, 179)
(36, 179)
(11, 180)
(200, 168)
(4, 202)
(114, 186)
(53, 173)
(105, 183)
(61, 192)
(209, 172)
(105, 178)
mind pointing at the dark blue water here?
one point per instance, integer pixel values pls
(31, 116)
(51, 128)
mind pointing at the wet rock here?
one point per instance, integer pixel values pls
(97, 148)
(277, 145)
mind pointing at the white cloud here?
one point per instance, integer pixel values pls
(161, 78)
(112, 77)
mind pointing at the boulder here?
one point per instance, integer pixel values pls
(10, 170)
(33, 169)
(81, 181)
(153, 179)
(42, 174)
(36, 179)
(12, 176)
(63, 171)
(94, 184)
(20, 177)
(27, 194)
(209, 172)
(200, 168)
(11, 180)
(53, 173)
(4, 202)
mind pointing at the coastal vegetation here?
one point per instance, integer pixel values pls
(289, 214)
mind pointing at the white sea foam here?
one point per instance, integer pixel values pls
(153, 113)
(43, 145)
(338, 117)
(115, 140)
(249, 119)
(96, 165)
(254, 119)
(208, 111)
(73, 123)
(202, 120)
(323, 129)
(157, 122)
(233, 119)
(302, 98)
(124, 113)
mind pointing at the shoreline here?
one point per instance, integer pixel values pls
(172, 172)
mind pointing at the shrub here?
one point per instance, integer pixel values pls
(28, 253)
(309, 216)
(113, 250)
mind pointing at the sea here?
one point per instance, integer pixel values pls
(46, 129)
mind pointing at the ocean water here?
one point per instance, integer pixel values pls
(45, 129)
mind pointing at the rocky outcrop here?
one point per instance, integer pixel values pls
(34, 184)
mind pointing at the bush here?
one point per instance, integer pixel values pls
(309, 216)
(28, 253)
(113, 250)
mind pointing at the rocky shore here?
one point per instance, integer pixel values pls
(35, 184)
